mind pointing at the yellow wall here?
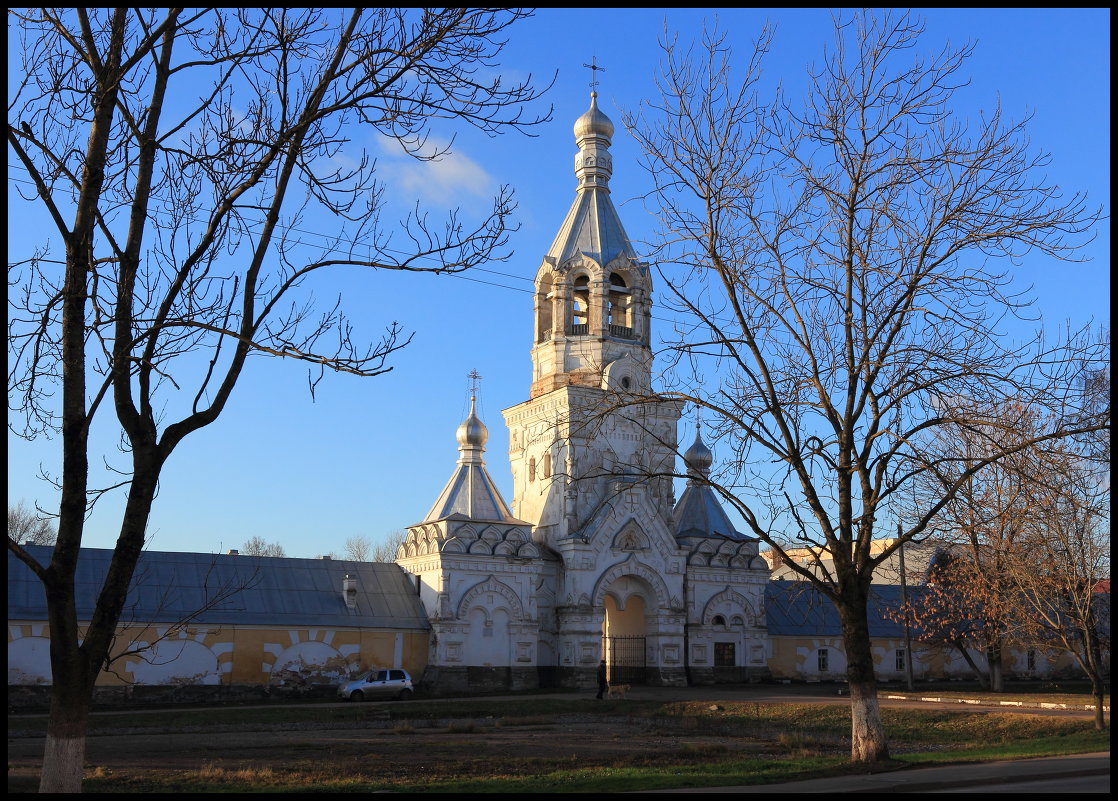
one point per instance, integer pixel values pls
(205, 654)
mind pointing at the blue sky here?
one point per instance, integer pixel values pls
(369, 456)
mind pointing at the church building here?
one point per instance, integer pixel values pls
(595, 559)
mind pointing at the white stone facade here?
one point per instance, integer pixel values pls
(589, 562)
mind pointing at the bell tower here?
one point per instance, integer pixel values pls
(591, 350)
(593, 297)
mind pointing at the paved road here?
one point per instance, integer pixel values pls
(1079, 773)
(759, 693)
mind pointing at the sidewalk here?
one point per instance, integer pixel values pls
(932, 697)
(917, 780)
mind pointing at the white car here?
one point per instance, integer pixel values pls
(379, 684)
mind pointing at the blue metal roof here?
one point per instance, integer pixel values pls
(797, 609)
(233, 590)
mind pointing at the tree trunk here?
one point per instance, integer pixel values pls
(64, 752)
(867, 733)
(983, 679)
(74, 667)
(1098, 693)
(1093, 664)
(994, 663)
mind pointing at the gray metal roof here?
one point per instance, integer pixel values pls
(699, 514)
(471, 492)
(592, 226)
(796, 609)
(233, 589)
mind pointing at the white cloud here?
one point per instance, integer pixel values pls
(449, 180)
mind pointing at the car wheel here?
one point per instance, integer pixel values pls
(404, 695)
(357, 695)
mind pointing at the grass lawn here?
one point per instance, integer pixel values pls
(560, 744)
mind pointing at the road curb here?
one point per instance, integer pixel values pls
(991, 702)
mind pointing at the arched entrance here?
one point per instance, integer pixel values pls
(624, 628)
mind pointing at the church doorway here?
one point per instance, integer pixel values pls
(623, 639)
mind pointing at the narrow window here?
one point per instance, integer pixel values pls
(544, 299)
(900, 659)
(824, 660)
(620, 320)
(1031, 660)
(547, 465)
(580, 306)
(532, 469)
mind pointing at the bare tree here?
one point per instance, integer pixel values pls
(358, 548)
(28, 527)
(837, 268)
(1065, 553)
(973, 598)
(257, 546)
(177, 152)
(385, 549)
(361, 548)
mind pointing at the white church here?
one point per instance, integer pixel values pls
(595, 559)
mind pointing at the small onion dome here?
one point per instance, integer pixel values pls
(698, 456)
(472, 433)
(593, 123)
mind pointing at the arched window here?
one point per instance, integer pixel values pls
(620, 307)
(718, 620)
(544, 299)
(580, 306)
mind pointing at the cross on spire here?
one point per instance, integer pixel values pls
(594, 68)
(474, 377)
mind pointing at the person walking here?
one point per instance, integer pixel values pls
(603, 685)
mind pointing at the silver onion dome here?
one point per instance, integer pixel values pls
(593, 123)
(472, 433)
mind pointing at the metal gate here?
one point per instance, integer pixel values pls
(625, 659)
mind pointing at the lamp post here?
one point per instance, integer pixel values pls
(904, 605)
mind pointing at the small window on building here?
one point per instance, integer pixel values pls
(900, 659)
(724, 654)
(532, 469)
(547, 465)
(718, 620)
(824, 660)
(1030, 660)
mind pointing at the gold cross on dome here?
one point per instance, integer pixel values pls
(594, 68)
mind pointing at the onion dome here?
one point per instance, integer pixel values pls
(471, 492)
(472, 434)
(698, 457)
(593, 123)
